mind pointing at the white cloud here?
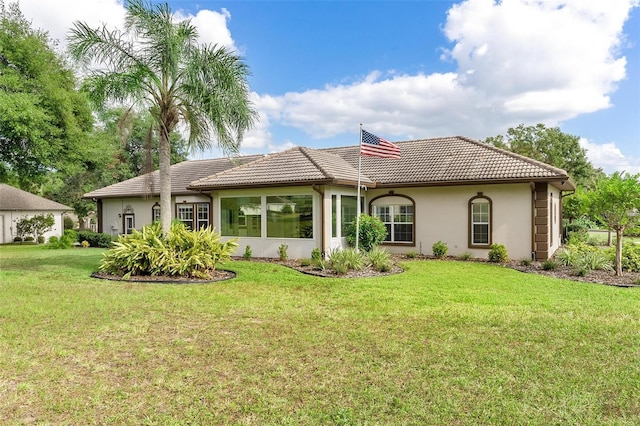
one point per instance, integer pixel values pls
(609, 157)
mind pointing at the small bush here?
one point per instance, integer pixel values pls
(440, 249)
(467, 255)
(380, 259)
(306, 262)
(345, 260)
(53, 240)
(73, 235)
(85, 244)
(95, 239)
(631, 257)
(64, 242)
(372, 232)
(29, 239)
(40, 239)
(549, 265)
(282, 252)
(411, 255)
(316, 254)
(498, 253)
(68, 223)
(526, 262)
(247, 252)
(581, 272)
(17, 240)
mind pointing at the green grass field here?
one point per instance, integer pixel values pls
(443, 343)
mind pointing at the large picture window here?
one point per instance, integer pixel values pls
(398, 215)
(241, 216)
(480, 221)
(290, 216)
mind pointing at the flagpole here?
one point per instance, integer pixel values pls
(358, 196)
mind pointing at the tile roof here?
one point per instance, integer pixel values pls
(181, 175)
(16, 200)
(427, 162)
(449, 160)
(296, 166)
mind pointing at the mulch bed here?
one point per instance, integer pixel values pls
(214, 276)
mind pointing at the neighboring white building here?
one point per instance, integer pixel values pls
(16, 204)
(465, 193)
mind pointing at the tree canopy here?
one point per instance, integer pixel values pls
(551, 146)
(157, 64)
(44, 118)
(615, 201)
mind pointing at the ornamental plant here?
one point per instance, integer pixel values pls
(181, 252)
(372, 232)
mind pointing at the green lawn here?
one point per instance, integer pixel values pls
(443, 343)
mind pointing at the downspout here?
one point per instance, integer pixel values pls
(321, 192)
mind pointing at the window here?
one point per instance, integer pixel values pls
(155, 213)
(348, 212)
(397, 214)
(290, 216)
(480, 221)
(194, 216)
(129, 223)
(241, 216)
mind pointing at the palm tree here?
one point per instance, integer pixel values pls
(157, 64)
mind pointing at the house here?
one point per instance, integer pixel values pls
(16, 204)
(463, 192)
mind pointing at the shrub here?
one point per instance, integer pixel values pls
(549, 265)
(181, 252)
(467, 255)
(17, 240)
(567, 256)
(342, 261)
(64, 242)
(73, 235)
(498, 253)
(247, 252)
(95, 239)
(594, 260)
(85, 244)
(440, 249)
(631, 257)
(282, 252)
(411, 255)
(581, 272)
(316, 254)
(372, 232)
(29, 239)
(68, 223)
(380, 259)
(526, 262)
(577, 237)
(40, 239)
(306, 262)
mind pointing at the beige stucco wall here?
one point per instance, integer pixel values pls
(442, 215)
(8, 224)
(111, 208)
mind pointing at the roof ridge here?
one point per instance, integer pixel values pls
(242, 166)
(516, 155)
(305, 151)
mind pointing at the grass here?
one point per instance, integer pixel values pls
(443, 343)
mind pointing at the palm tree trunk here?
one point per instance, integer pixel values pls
(164, 153)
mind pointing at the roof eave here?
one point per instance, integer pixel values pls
(566, 184)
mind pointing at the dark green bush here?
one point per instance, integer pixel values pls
(316, 254)
(29, 239)
(247, 252)
(68, 223)
(181, 252)
(372, 232)
(40, 239)
(440, 249)
(64, 242)
(549, 265)
(72, 234)
(95, 239)
(498, 253)
(17, 240)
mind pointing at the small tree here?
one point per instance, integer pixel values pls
(615, 200)
(36, 225)
(372, 232)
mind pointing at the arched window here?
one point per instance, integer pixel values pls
(155, 213)
(480, 215)
(397, 212)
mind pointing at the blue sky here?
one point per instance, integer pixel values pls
(418, 69)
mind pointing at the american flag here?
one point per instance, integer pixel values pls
(374, 146)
